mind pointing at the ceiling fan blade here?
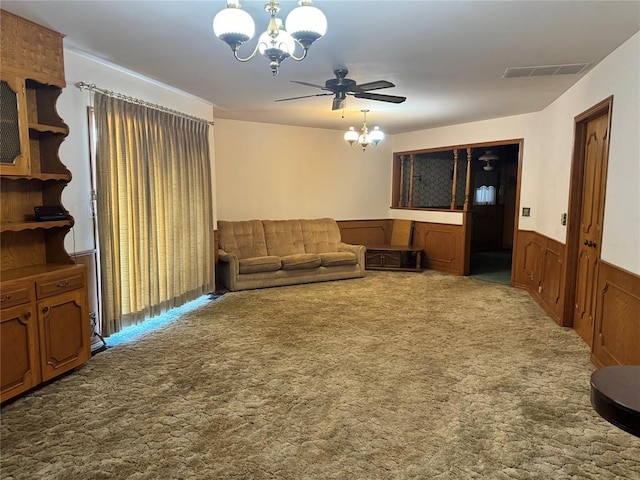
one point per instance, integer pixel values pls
(303, 96)
(309, 84)
(380, 97)
(338, 103)
(373, 86)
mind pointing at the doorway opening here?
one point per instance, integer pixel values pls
(494, 189)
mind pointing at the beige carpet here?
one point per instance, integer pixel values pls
(394, 376)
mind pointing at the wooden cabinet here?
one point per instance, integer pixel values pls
(19, 359)
(390, 257)
(45, 322)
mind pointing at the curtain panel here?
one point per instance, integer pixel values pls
(154, 206)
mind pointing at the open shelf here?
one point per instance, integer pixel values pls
(20, 226)
(36, 130)
(41, 177)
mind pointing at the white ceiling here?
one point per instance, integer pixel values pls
(446, 57)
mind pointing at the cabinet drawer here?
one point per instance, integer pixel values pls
(15, 294)
(50, 285)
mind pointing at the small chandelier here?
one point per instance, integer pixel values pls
(487, 158)
(365, 138)
(304, 25)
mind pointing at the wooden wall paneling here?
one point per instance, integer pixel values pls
(527, 261)
(617, 324)
(551, 287)
(365, 232)
(443, 246)
(540, 268)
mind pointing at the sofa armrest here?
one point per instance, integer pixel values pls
(359, 250)
(228, 269)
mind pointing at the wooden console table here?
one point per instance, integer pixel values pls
(394, 257)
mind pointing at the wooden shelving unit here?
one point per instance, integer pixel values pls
(44, 322)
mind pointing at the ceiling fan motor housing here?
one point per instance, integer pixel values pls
(340, 85)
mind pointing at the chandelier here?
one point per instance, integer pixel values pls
(487, 158)
(365, 138)
(304, 25)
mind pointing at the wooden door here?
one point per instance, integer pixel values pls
(591, 216)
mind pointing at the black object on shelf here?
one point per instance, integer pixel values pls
(48, 213)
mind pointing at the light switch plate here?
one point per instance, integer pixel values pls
(526, 211)
(563, 219)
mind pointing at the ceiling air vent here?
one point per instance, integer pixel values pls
(545, 70)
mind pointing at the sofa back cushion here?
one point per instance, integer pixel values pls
(320, 235)
(283, 237)
(245, 239)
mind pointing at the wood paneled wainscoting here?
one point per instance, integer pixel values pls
(443, 246)
(366, 232)
(540, 268)
(616, 340)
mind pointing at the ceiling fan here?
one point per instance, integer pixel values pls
(341, 86)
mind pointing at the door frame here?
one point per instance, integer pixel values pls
(602, 108)
(468, 216)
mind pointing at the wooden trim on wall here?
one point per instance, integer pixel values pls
(616, 339)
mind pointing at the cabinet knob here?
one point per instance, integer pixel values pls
(5, 298)
(27, 315)
(62, 283)
(586, 242)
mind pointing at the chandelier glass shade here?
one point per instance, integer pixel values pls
(365, 138)
(304, 25)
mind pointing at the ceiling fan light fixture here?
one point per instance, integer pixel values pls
(234, 26)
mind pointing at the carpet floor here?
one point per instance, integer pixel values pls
(393, 376)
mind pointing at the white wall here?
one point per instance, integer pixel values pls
(279, 172)
(548, 144)
(617, 75)
(74, 151)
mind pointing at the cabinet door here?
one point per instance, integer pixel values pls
(14, 132)
(63, 323)
(19, 367)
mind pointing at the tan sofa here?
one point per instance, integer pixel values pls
(271, 253)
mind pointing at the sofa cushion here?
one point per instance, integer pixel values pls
(320, 235)
(245, 239)
(283, 237)
(333, 259)
(300, 261)
(259, 264)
